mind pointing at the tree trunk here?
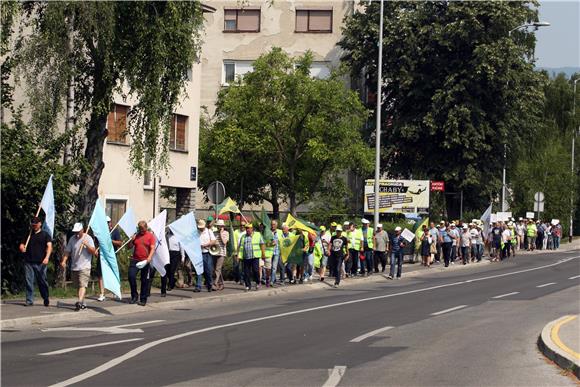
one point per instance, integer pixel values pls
(293, 205)
(274, 201)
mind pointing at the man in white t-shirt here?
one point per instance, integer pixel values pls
(207, 239)
(506, 240)
(80, 248)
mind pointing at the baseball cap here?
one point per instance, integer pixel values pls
(220, 222)
(346, 223)
(35, 220)
(380, 225)
(397, 228)
(333, 224)
(77, 227)
(322, 228)
(249, 225)
(210, 218)
(364, 221)
(338, 228)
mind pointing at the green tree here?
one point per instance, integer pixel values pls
(457, 87)
(142, 49)
(284, 133)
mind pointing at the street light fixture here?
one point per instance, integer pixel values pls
(535, 26)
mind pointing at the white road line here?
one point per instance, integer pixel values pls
(131, 354)
(367, 335)
(139, 323)
(544, 285)
(448, 310)
(576, 276)
(115, 330)
(67, 350)
(335, 375)
(506, 295)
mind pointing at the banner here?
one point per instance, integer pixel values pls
(109, 267)
(161, 254)
(228, 205)
(294, 223)
(398, 196)
(291, 250)
(47, 205)
(185, 229)
(128, 223)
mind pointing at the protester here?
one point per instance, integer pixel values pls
(367, 247)
(531, 233)
(557, 235)
(176, 255)
(397, 246)
(446, 242)
(426, 242)
(80, 248)
(251, 249)
(206, 239)
(354, 248)
(339, 248)
(496, 235)
(465, 241)
(506, 242)
(381, 245)
(36, 256)
(324, 239)
(237, 270)
(143, 244)
(436, 246)
(284, 267)
(455, 241)
(222, 236)
(276, 261)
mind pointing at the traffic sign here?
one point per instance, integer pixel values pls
(539, 206)
(216, 192)
(539, 196)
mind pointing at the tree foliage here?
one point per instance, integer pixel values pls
(284, 132)
(139, 49)
(457, 87)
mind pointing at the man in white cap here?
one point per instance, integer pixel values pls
(367, 246)
(80, 248)
(380, 245)
(338, 251)
(223, 237)
(397, 246)
(206, 239)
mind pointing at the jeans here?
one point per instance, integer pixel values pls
(477, 251)
(453, 255)
(337, 260)
(133, 270)
(446, 248)
(251, 270)
(352, 263)
(380, 257)
(36, 271)
(174, 259)
(556, 242)
(207, 271)
(237, 273)
(368, 262)
(275, 262)
(505, 250)
(396, 259)
(465, 254)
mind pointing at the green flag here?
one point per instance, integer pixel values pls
(267, 234)
(291, 250)
(318, 253)
(228, 205)
(231, 242)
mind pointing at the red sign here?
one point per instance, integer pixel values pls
(438, 186)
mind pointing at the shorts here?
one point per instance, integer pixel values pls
(324, 261)
(266, 263)
(80, 278)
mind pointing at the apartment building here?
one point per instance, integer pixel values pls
(239, 32)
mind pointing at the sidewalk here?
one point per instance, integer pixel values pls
(560, 342)
(14, 314)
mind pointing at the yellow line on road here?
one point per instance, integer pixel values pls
(555, 336)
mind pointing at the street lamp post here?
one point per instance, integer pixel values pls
(571, 233)
(378, 129)
(534, 25)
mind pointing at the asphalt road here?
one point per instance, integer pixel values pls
(476, 326)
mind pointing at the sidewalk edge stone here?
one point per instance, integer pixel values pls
(553, 352)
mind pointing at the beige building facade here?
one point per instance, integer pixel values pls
(237, 33)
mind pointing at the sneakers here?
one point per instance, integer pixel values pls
(390, 277)
(80, 306)
(197, 290)
(335, 286)
(102, 298)
(256, 287)
(133, 301)
(142, 303)
(247, 289)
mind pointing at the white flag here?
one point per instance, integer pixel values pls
(128, 223)
(47, 204)
(486, 218)
(161, 255)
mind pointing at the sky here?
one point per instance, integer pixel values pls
(559, 44)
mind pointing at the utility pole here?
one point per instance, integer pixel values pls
(571, 232)
(378, 129)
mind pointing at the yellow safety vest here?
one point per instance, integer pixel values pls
(256, 242)
(370, 234)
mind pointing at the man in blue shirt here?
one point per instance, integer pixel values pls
(397, 246)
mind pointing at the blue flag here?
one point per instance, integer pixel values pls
(185, 230)
(47, 204)
(109, 267)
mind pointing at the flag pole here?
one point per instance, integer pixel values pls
(124, 244)
(30, 232)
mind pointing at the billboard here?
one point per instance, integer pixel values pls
(398, 196)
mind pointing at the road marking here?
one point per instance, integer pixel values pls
(555, 336)
(116, 330)
(448, 310)
(576, 276)
(544, 285)
(506, 295)
(367, 335)
(131, 354)
(335, 375)
(67, 350)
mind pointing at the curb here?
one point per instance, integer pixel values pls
(554, 351)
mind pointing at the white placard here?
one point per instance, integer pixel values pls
(493, 218)
(555, 221)
(530, 215)
(503, 216)
(408, 235)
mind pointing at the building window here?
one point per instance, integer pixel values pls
(117, 124)
(148, 175)
(235, 68)
(177, 134)
(241, 20)
(115, 209)
(310, 20)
